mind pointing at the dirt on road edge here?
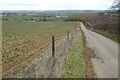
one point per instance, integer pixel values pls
(88, 66)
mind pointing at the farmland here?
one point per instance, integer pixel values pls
(23, 39)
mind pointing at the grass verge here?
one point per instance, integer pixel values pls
(73, 66)
(114, 37)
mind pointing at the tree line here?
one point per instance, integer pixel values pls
(105, 20)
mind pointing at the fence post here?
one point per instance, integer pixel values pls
(53, 46)
(67, 34)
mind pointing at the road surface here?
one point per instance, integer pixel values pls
(105, 51)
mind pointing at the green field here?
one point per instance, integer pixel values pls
(23, 39)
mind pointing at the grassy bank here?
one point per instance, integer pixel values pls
(114, 37)
(73, 66)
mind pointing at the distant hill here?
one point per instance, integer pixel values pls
(51, 11)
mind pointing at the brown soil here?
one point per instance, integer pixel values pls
(88, 67)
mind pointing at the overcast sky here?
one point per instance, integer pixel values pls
(55, 4)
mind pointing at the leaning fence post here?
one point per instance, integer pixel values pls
(53, 46)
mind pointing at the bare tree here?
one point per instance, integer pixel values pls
(115, 5)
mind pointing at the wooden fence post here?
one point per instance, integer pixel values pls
(53, 46)
(67, 34)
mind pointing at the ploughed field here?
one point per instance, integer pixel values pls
(22, 40)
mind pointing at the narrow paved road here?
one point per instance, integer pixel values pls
(105, 51)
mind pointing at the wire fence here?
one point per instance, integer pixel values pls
(47, 60)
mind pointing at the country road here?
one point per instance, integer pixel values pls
(104, 54)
